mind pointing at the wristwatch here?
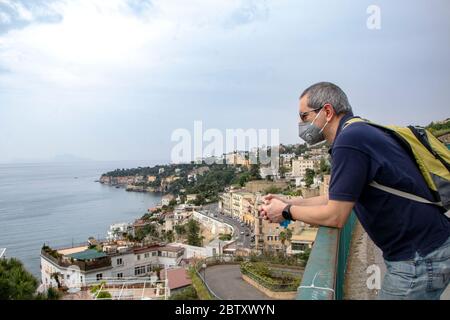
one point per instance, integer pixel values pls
(287, 213)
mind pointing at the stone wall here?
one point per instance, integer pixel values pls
(289, 295)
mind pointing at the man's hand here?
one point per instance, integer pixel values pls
(272, 210)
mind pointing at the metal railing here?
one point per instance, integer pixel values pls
(325, 271)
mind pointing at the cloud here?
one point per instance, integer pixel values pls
(96, 40)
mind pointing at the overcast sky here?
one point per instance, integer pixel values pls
(112, 79)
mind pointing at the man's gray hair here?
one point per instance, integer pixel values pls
(327, 92)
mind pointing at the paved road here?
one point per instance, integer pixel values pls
(243, 240)
(226, 282)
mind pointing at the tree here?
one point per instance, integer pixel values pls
(180, 229)
(16, 283)
(170, 236)
(309, 177)
(193, 233)
(324, 166)
(272, 190)
(285, 235)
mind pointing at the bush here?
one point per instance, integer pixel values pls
(188, 293)
(260, 272)
(104, 295)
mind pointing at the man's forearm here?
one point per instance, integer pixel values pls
(314, 201)
(333, 214)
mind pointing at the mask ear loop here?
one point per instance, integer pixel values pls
(324, 127)
(316, 116)
(321, 130)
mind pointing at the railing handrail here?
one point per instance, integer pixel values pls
(325, 271)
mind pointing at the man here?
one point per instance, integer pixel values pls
(414, 237)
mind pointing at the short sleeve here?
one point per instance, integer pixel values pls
(351, 171)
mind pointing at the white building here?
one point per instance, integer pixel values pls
(165, 201)
(79, 265)
(116, 230)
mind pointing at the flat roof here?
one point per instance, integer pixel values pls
(88, 254)
(308, 235)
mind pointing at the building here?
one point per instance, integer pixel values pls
(178, 279)
(165, 201)
(116, 231)
(237, 159)
(266, 172)
(271, 235)
(225, 203)
(191, 197)
(325, 185)
(80, 265)
(300, 165)
(286, 159)
(302, 241)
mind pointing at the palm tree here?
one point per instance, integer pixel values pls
(285, 235)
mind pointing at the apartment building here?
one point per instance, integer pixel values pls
(300, 165)
(80, 265)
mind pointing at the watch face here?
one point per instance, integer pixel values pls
(285, 214)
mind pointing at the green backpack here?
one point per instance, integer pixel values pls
(432, 158)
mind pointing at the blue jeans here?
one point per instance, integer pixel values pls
(422, 278)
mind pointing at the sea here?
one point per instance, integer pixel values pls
(61, 204)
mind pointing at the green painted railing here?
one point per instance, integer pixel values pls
(325, 272)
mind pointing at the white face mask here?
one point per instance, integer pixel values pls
(311, 133)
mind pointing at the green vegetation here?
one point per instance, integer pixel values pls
(51, 252)
(207, 186)
(264, 275)
(104, 295)
(188, 293)
(193, 233)
(225, 237)
(324, 167)
(439, 129)
(16, 283)
(180, 229)
(280, 258)
(285, 236)
(298, 149)
(309, 177)
(273, 190)
(199, 286)
(148, 230)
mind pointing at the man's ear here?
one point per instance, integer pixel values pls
(329, 111)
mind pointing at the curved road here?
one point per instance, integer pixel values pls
(226, 282)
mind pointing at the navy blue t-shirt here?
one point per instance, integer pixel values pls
(399, 227)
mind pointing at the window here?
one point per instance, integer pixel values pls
(120, 275)
(119, 262)
(99, 276)
(154, 254)
(138, 257)
(299, 246)
(149, 268)
(139, 270)
(147, 255)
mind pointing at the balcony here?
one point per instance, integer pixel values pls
(84, 265)
(325, 272)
